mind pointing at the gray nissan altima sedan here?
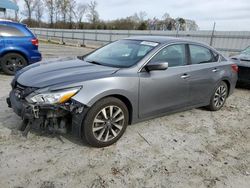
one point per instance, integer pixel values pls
(97, 95)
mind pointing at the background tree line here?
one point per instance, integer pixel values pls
(68, 14)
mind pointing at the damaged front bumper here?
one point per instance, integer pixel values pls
(67, 117)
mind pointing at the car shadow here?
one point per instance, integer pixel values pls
(68, 136)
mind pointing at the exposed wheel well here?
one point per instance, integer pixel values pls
(128, 104)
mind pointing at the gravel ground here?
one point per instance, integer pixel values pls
(196, 148)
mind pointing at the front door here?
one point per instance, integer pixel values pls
(165, 90)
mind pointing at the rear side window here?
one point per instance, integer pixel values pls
(201, 55)
(9, 31)
(175, 55)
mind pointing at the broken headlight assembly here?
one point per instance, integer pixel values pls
(53, 97)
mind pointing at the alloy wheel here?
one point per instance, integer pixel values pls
(220, 96)
(13, 64)
(108, 123)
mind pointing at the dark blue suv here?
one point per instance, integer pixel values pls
(18, 47)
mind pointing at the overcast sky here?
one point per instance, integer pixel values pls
(228, 14)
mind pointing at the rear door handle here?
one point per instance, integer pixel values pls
(185, 76)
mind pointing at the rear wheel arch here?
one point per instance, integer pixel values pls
(219, 96)
(11, 62)
(16, 52)
(228, 84)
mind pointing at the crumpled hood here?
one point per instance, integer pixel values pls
(42, 74)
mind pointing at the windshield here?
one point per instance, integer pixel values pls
(123, 53)
(246, 51)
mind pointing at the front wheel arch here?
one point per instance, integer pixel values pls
(88, 135)
(125, 100)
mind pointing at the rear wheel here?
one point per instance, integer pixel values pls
(219, 97)
(105, 122)
(12, 62)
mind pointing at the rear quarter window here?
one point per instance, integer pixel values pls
(200, 55)
(10, 31)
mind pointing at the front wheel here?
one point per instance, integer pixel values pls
(105, 122)
(219, 97)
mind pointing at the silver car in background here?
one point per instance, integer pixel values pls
(96, 96)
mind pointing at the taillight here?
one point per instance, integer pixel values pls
(235, 68)
(34, 42)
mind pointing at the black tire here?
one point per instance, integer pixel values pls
(218, 95)
(23, 125)
(12, 62)
(95, 112)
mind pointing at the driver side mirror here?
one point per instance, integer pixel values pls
(156, 66)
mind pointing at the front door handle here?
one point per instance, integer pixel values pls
(215, 70)
(185, 76)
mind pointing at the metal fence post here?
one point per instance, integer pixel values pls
(63, 37)
(212, 36)
(47, 35)
(177, 30)
(95, 35)
(83, 38)
(110, 36)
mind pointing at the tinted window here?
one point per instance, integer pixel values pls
(174, 55)
(9, 31)
(201, 55)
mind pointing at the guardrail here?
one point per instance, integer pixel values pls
(225, 41)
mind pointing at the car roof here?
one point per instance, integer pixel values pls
(9, 22)
(158, 39)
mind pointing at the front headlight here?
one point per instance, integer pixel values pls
(53, 97)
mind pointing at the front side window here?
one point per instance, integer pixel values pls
(174, 55)
(9, 31)
(123, 53)
(201, 55)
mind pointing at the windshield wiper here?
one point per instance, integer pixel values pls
(94, 62)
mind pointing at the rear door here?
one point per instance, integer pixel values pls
(205, 72)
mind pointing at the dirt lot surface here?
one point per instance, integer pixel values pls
(196, 148)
